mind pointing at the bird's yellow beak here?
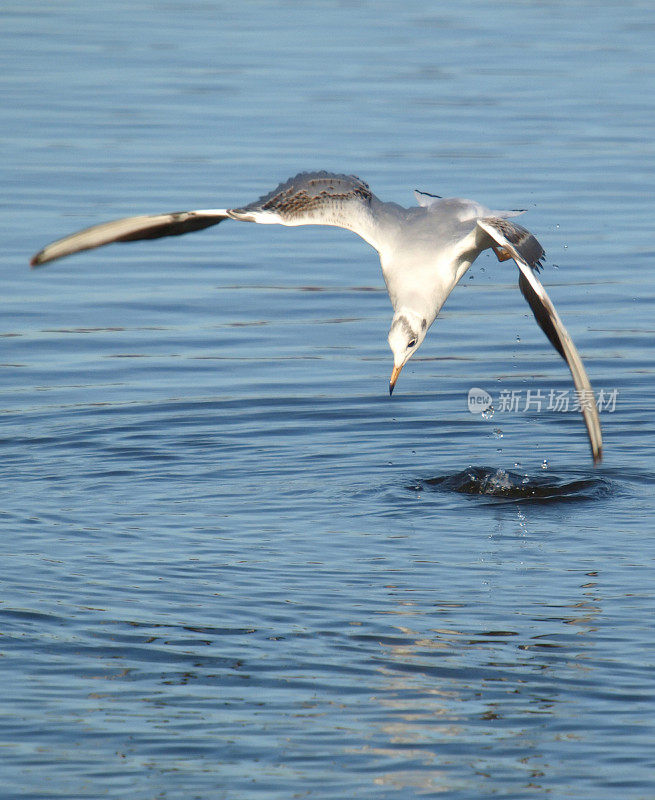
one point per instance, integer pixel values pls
(394, 377)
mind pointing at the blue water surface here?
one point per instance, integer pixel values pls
(232, 567)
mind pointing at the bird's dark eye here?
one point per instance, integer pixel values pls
(411, 343)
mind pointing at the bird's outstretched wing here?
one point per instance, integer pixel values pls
(310, 198)
(510, 240)
(129, 229)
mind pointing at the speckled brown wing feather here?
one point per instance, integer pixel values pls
(319, 198)
(313, 195)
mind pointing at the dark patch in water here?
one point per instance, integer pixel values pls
(508, 485)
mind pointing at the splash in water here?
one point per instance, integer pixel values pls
(510, 485)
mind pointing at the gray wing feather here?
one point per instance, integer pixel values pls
(525, 244)
(319, 198)
(527, 253)
(129, 229)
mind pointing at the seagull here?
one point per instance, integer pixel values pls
(424, 252)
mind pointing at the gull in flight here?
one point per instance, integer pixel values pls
(424, 251)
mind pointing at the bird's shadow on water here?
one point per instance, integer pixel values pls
(497, 485)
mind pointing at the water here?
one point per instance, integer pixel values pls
(232, 567)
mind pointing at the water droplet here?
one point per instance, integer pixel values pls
(488, 413)
(518, 338)
(498, 434)
(523, 521)
(544, 464)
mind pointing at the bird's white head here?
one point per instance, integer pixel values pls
(407, 331)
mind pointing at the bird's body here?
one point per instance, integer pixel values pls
(424, 251)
